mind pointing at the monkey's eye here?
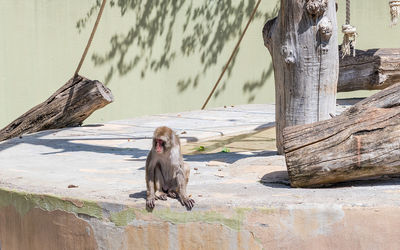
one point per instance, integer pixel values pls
(160, 142)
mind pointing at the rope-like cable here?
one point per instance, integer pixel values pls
(347, 11)
(350, 34)
(103, 4)
(394, 11)
(232, 55)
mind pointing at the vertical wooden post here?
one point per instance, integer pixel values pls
(302, 41)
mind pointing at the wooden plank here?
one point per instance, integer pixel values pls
(68, 106)
(372, 69)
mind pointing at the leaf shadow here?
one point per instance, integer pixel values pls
(158, 36)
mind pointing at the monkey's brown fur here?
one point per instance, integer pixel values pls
(166, 173)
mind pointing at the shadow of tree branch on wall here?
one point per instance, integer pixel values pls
(163, 30)
(250, 87)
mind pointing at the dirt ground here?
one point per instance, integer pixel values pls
(260, 140)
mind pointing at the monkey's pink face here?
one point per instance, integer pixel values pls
(159, 144)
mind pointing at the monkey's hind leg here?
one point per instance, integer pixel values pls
(182, 182)
(159, 183)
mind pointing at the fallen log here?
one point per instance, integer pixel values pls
(68, 106)
(372, 69)
(364, 141)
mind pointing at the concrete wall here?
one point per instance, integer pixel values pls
(156, 56)
(40, 222)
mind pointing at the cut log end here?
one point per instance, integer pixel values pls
(105, 92)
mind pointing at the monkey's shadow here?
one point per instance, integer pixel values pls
(138, 195)
(143, 194)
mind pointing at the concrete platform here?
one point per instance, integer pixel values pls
(83, 188)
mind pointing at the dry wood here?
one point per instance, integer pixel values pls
(364, 141)
(303, 44)
(68, 106)
(369, 70)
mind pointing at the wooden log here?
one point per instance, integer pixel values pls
(303, 44)
(68, 106)
(364, 141)
(369, 70)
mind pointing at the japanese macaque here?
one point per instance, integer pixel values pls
(166, 174)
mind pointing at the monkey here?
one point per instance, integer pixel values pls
(166, 173)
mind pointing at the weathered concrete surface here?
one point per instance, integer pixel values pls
(243, 200)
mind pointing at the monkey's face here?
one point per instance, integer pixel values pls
(159, 145)
(163, 140)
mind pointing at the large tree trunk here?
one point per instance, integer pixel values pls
(303, 44)
(68, 106)
(364, 141)
(369, 70)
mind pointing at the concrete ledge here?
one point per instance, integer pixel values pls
(83, 188)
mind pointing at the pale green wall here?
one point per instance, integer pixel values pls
(41, 45)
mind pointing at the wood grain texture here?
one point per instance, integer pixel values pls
(369, 70)
(364, 141)
(303, 44)
(68, 106)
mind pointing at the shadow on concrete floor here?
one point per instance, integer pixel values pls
(75, 145)
(277, 179)
(373, 181)
(280, 179)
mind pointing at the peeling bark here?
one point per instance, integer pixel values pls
(303, 44)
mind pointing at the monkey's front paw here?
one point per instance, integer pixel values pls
(150, 203)
(161, 196)
(189, 203)
(172, 194)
